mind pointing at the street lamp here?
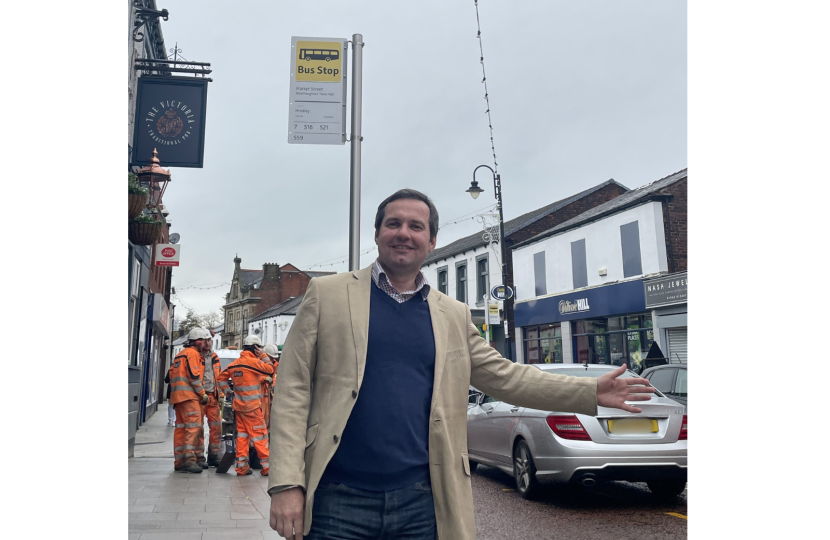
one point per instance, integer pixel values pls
(154, 178)
(474, 192)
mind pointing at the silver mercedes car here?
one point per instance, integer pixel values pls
(539, 447)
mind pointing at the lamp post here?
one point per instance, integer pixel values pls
(154, 178)
(474, 192)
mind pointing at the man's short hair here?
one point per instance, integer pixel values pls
(409, 194)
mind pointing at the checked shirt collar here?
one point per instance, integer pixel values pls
(380, 279)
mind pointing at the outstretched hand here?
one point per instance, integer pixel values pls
(614, 392)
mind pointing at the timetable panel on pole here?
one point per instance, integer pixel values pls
(317, 99)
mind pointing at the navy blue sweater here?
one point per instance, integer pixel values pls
(385, 443)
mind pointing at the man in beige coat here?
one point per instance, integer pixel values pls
(322, 371)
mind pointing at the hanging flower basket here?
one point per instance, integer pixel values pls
(137, 203)
(144, 233)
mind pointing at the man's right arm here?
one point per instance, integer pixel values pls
(291, 404)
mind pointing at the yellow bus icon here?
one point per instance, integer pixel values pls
(319, 61)
(319, 54)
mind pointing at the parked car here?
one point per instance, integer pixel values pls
(539, 447)
(671, 380)
(473, 397)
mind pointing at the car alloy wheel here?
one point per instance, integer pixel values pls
(524, 471)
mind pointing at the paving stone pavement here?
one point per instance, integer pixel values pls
(166, 505)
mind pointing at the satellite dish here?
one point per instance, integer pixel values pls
(174, 238)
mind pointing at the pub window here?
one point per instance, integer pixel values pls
(630, 239)
(579, 266)
(442, 279)
(539, 273)
(482, 277)
(461, 282)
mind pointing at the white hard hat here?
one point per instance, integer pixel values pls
(252, 340)
(198, 333)
(271, 350)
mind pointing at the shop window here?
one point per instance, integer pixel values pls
(482, 278)
(539, 273)
(543, 344)
(442, 279)
(614, 340)
(630, 238)
(579, 265)
(461, 282)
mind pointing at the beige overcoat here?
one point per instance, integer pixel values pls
(321, 370)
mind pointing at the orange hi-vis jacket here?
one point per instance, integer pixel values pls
(217, 369)
(247, 372)
(186, 376)
(267, 386)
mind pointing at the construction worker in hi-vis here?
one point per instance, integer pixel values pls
(187, 394)
(212, 367)
(248, 373)
(272, 355)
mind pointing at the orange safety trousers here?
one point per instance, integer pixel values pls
(214, 419)
(188, 432)
(251, 429)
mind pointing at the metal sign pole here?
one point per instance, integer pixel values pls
(356, 139)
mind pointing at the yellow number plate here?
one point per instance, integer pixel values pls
(632, 425)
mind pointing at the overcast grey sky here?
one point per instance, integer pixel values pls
(580, 92)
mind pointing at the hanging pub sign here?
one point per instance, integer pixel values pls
(170, 117)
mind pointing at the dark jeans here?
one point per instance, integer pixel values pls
(345, 513)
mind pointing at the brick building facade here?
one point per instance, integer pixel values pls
(606, 285)
(254, 291)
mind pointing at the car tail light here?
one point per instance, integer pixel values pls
(568, 426)
(683, 432)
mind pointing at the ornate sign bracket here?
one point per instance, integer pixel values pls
(143, 16)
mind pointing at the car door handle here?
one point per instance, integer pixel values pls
(488, 411)
(514, 409)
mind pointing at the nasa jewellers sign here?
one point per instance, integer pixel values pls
(168, 254)
(667, 290)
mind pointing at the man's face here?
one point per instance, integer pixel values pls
(208, 344)
(403, 238)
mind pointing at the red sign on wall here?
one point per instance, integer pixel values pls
(168, 254)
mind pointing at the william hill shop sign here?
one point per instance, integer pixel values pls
(578, 306)
(606, 301)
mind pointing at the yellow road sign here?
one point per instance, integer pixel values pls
(320, 61)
